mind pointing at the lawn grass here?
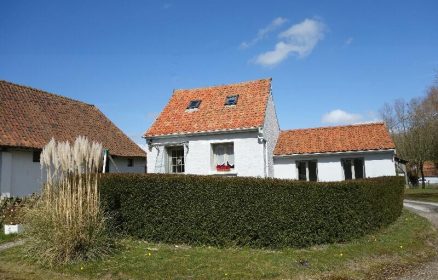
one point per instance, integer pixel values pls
(429, 194)
(403, 244)
(6, 238)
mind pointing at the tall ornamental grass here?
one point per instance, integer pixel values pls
(67, 224)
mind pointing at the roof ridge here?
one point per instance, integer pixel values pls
(224, 85)
(336, 126)
(45, 92)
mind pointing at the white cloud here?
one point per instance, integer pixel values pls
(166, 6)
(341, 117)
(349, 41)
(300, 39)
(276, 23)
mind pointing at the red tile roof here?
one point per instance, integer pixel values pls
(212, 114)
(29, 118)
(372, 136)
(430, 169)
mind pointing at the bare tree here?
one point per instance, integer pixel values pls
(414, 128)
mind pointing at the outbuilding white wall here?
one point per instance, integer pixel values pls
(431, 180)
(139, 165)
(377, 163)
(20, 176)
(248, 154)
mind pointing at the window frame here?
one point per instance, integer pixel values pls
(169, 162)
(191, 106)
(352, 167)
(130, 162)
(227, 146)
(227, 103)
(306, 162)
(36, 155)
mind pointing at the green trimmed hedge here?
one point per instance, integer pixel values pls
(224, 211)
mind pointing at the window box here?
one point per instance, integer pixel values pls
(224, 167)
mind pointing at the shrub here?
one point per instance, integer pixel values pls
(67, 224)
(248, 211)
(12, 208)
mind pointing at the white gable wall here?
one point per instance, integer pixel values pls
(248, 154)
(377, 163)
(271, 131)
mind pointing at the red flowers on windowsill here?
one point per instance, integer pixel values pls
(224, 167)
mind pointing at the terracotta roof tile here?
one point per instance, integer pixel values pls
(212, 114)
(430, 169)
(372, 136)
(29, 118)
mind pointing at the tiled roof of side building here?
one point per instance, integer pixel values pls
(361, 137)
(212, 113)
(30, 117)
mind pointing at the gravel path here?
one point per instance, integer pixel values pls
(427, 271)
(8, 245)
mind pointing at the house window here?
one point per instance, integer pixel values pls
(130, 162)
(194, 104)
(176, 160)
(354, 168)
(231, 100)
(36, 155)
(223, 156)
(307, 170)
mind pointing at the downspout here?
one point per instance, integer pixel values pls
(266, 159)
(105, 156)
(265, 151)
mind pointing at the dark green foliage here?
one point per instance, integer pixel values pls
(252, 212)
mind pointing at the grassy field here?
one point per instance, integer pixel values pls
(429, 194)
(396, 248)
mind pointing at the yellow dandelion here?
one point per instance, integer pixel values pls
(82, 268)
(401, 247)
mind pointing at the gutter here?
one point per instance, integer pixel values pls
(334, 153)
(202, 133)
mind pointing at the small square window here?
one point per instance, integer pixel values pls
(130, 162)
(194, 104)
(223, 156)
(354, 168)
(36, 155)
(231, 100)
(307, 170)
(175, 159)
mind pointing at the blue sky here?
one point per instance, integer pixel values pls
(331, 61)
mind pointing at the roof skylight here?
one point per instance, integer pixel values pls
(231, 100)
(194, 104)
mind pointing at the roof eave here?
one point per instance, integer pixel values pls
(201, 133)
(333, 153)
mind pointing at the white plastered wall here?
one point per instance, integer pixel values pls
(377, 163)
(248, 154)
(20, 176)
(138, 166)
(271, 131)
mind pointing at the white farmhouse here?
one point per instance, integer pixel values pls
(29, 118)
(232, 130)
